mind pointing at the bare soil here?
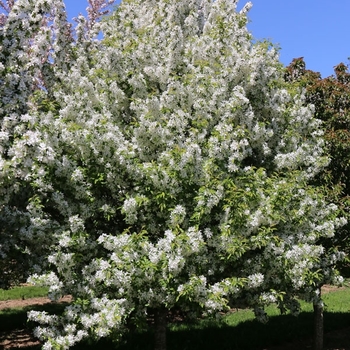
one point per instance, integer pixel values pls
(19, 303)
(16, 339)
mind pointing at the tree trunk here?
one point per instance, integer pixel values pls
(318, 325)
(160, 323)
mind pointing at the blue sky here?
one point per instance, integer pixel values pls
(317, 30)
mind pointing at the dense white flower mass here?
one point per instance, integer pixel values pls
(165, 165)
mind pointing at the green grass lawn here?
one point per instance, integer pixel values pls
(23, 292)
(236, 330)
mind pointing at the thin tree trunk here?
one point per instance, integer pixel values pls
(318, 325)
(160, 323)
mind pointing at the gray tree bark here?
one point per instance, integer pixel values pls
(318, 326)
(160, 323)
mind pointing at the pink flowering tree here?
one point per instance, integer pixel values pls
(173, 172)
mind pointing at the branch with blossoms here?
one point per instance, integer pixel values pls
(97, 9)
(7, 8)
(87, 27)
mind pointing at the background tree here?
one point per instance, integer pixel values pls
(24, 57)
(331, 98)
(36, 44)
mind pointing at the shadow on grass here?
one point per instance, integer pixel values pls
(11, 319)
(248, 335)
(254, 335)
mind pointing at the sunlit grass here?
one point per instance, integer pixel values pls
(23, 292)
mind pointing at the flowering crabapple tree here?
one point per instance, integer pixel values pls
(330, 96)
(173, 172)
(23, 57)
(36, 44)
